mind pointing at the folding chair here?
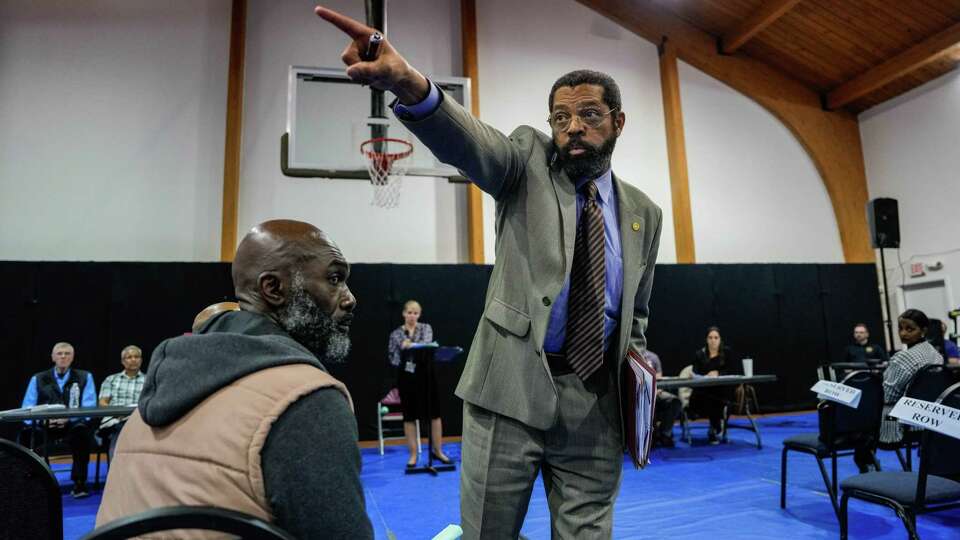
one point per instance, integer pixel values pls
(30, 501)
(842, 430)
(392, 402)
(205, 518)
(932, 489)
(927, 385)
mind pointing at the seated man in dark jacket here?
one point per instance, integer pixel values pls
(243, 415)
(70, 388)
(862, 350)
(668, 407)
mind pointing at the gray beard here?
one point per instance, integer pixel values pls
(309, 326)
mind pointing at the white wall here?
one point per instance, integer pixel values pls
(429, 226)
(111, 129)
(754, 191)
(525, 46)
(910, 149)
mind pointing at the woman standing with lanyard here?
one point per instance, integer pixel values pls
(412, 382)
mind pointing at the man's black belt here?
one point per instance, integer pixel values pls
(559, 366)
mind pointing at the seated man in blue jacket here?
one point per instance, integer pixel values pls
(71, 388)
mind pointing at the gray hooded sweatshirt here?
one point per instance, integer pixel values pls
(311, 462)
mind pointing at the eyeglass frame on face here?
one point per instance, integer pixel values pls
(579, 114)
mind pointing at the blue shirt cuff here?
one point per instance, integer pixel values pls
(419, 111)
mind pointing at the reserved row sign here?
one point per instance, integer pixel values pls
(928, 415)
(838, 392)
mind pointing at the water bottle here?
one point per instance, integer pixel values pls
(74, 396)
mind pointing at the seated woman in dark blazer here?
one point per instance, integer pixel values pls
(712, 360)
(412, 385)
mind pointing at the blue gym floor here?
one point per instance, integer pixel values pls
(699, 491)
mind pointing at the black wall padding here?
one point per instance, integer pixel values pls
(788, 317)
(452, 300)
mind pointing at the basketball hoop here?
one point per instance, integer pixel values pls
(384, 157)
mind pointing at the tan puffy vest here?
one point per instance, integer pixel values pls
(210, 456)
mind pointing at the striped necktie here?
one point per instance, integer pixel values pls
(584, 342)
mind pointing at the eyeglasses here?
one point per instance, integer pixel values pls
(589, 117)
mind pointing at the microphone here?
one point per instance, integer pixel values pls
(373, 47)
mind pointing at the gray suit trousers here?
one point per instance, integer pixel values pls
(581, 457)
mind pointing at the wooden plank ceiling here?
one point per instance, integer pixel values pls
(838, 48)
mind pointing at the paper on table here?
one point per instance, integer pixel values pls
(36, 408)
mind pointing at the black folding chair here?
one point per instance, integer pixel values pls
(933, 488)
(842, 430)
(927, 385)
(30, 504)
(837, 371)
(206, 518)
(687, 418)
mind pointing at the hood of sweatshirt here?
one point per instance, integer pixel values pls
(185, 370)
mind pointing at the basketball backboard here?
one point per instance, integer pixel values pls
(329, 117)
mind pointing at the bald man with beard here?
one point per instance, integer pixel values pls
(243, 415)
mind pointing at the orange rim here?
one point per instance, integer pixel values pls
(389, 157)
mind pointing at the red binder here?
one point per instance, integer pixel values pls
(638, 398)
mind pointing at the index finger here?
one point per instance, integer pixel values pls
(351, 27)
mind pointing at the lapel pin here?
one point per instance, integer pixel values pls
(636, 226)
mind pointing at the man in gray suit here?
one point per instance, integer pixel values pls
(567, 299)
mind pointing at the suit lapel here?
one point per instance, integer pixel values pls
(632, 229)
(567, 199)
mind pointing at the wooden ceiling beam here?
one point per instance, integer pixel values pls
(921, 54)
(831, 139)
(677, 155)
(754, 24)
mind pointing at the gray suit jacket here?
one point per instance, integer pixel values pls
(506, 371)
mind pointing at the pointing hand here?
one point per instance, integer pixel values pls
(387, 71)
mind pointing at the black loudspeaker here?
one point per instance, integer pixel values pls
(884, 222)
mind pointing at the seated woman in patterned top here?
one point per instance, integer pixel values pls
(412, 382)
(904, 365)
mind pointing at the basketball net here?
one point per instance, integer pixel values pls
(386, 162)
